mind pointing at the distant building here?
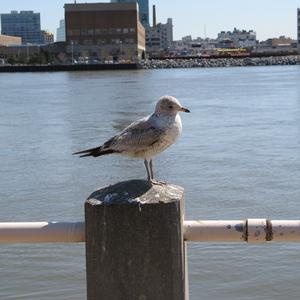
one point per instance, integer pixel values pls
(187, 39)
(238, 38)
(281, 45)
(281, 41)
(298, 31)
(25, 24)
(47, 37)
(143, 9)
(159, 37)
(61, 32)
(19, 50)
(6, 40)
(104, 30)
(227, 43)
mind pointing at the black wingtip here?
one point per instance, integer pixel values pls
(87, 151)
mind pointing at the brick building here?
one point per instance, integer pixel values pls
(104, 30)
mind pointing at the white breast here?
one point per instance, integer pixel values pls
(172, 130)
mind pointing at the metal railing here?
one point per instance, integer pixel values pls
(249, 230)
(131, 227)
(41, 232)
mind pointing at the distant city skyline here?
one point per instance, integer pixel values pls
(194, 17)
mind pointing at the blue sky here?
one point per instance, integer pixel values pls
(269, 18)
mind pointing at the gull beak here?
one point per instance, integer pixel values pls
(184, 109)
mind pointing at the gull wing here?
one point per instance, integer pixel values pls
(136, 137)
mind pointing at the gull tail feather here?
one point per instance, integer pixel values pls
(95, 152)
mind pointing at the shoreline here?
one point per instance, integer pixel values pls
(221, 62)
(64, 68)
(151, 64)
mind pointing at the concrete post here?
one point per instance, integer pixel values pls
(134, 242)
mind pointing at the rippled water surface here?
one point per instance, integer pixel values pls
(238, 157)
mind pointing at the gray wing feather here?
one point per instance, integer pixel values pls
(136, 137)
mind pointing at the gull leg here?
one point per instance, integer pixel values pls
(152, 180)
(151, 169)
(146, 163)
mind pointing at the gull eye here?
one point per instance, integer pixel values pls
(170, 106)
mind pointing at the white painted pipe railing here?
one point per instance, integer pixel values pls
(41, 232)
(249, 230)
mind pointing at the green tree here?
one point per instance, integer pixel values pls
(11, 60)
(21, 59)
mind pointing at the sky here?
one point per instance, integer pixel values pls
(199, 18)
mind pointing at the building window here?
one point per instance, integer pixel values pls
(72, 32)
(125, 30)
(129, 41)
(90, 31)
(115, 41)
(84, 31)
(88, 42)
(101, 41)
(112, 30)
(132, 30)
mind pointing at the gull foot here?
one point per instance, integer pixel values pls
(156, 182)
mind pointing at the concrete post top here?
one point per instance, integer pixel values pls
(135, 192)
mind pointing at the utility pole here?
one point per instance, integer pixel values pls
(72, 51)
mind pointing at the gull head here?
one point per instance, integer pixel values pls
(169, 104)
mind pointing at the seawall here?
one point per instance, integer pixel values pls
(162, 64)
(75, 67)
(220, 62)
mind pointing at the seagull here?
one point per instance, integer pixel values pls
(147, 137)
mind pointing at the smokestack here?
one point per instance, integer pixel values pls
(154, 16)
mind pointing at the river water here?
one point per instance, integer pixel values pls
(238, 157)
